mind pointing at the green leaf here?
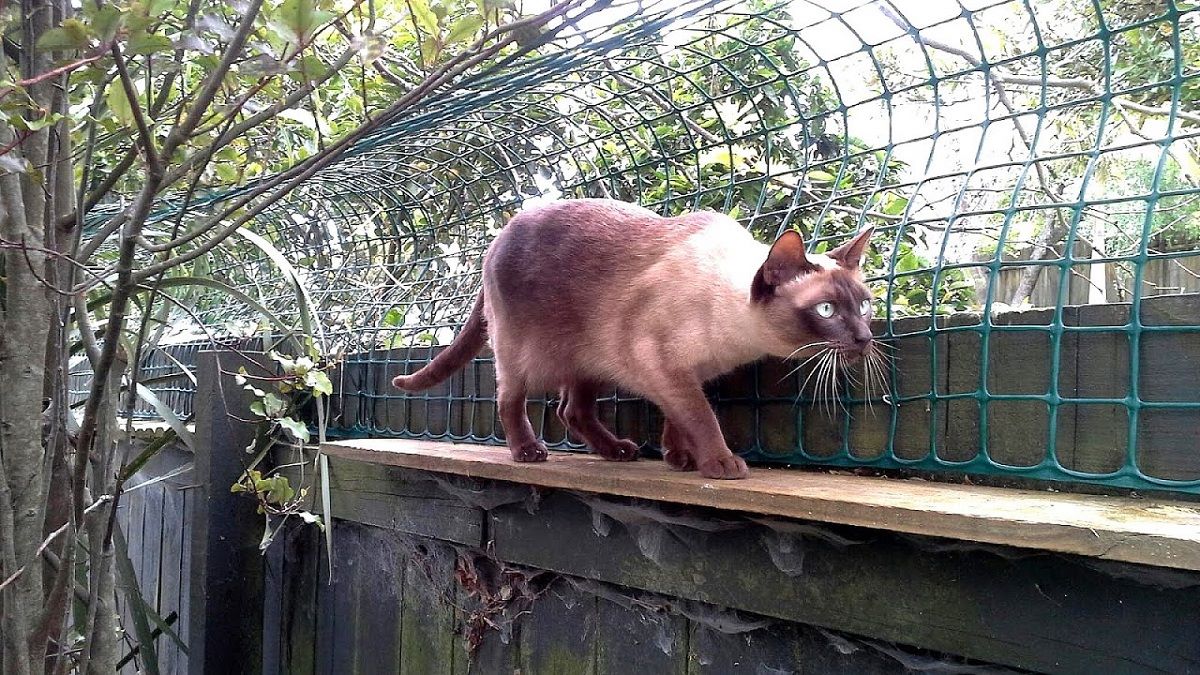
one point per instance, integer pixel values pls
(895, 205)
(319, 382)
(149, 43)
(72, 34)
(304, 300)
(820, 176)
(105, 21)
(167, 414)
(119, 104)
(465, 28)
(394, 317)
(424, 16)
(429, 51)
(302, 18)
(297, 430)
(273, 406)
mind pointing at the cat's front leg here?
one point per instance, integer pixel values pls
(695, 427)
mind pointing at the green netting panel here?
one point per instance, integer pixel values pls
(1013, 156)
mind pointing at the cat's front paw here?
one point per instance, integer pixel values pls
(623, 450)
(528, 452)
(724, 467)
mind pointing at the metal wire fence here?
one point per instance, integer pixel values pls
(1012, 156)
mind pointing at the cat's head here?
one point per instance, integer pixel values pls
(813, 299)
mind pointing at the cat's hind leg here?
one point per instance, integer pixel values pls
(676, 452)
(578, 412)
(518, 432)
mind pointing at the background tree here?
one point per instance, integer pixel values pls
(116, 122)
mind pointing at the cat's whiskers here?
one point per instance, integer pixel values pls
(822, 343)
(804, 363)
(815, 372)
(874, 364)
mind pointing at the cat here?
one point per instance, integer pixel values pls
(581, 293)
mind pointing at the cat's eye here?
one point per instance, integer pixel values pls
(864, 308)
(825, 310)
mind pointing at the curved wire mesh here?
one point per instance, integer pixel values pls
(1012, 156)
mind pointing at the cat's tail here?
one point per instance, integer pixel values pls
(470, 340)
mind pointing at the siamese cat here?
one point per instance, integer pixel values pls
(586, 292)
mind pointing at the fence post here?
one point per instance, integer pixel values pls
(227, 568)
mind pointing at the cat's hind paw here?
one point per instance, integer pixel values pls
(724, 467)
(531, 451)
(678, 460)
(623, 450)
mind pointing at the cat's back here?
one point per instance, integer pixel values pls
(582, 238)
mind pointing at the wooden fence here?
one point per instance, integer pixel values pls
(435, 575)
(1099, 282)
(155, 516)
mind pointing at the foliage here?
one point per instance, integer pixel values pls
(281, 403)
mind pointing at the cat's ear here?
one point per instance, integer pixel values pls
(786, 261)
(850, 254)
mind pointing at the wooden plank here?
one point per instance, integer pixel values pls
(136, 512)
(1019, 363)
(274, 591)
(964, 361)
(1101, 370)
(921, 362)
(1170, 371)
(341, 610)
(350, 406)
(558, 636)
(1145, 531)
(183, 626)
(1046, 613)
(395, 500)
(496, 652)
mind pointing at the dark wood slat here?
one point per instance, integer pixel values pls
(152, 544)
(327, 616)
(378, 601)
(275, 568)
(782, 648)
(559, 634)
(427, 621)
(169, 576)
(635, 640)
(227, 573)
(300, 584)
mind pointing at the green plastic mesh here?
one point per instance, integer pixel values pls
(1012, 156)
